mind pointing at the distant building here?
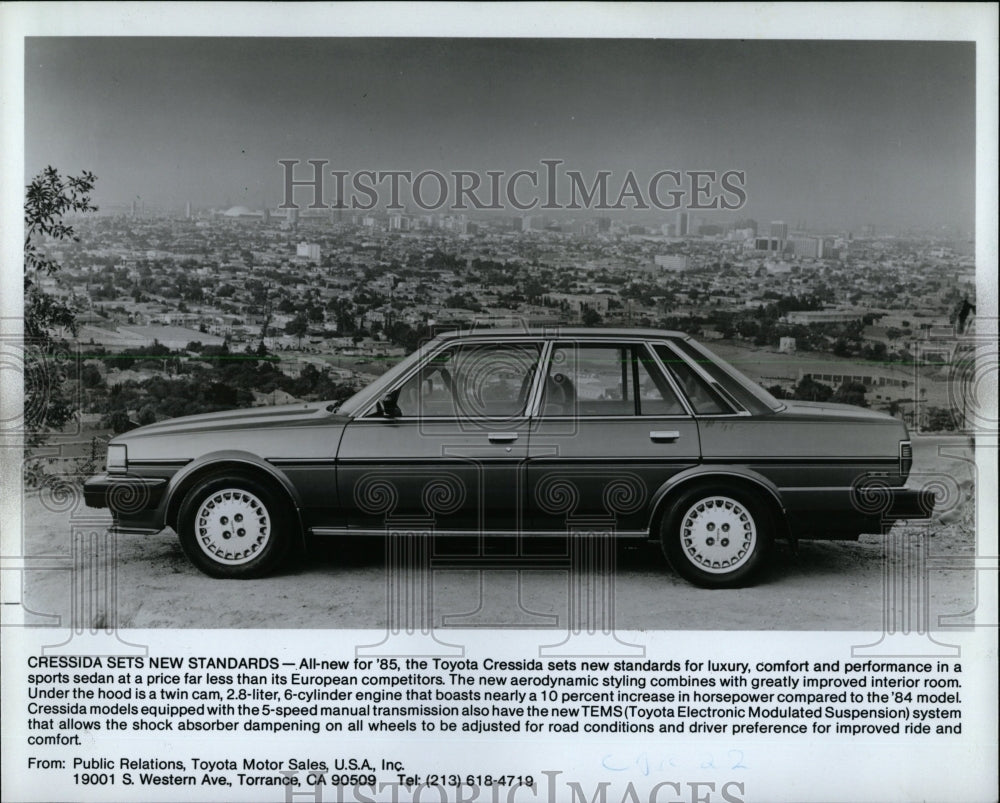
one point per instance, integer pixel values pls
(741, 234)
(769, 244)
(578, 302)
(779, 229)
(807, 317)
(871, 379)
(671, 262)
(309, 251)
(173, 337)
(809, 247)
(682, 224)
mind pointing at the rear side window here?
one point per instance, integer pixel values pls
(606, 380)
(703, 398)
(720, 375)
(655, 396)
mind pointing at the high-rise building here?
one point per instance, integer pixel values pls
(187, 210)
(682, 224)
(779, 229)
(811, 247)
(772, 244)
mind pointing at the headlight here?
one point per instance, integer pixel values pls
(117, 458)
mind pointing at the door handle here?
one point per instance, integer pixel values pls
(502, 437)
(664, 435)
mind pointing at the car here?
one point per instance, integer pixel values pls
(635, 433)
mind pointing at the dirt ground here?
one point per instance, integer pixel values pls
(76, 574)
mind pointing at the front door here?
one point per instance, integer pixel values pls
(449, 445)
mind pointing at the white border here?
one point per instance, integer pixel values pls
(933, 21)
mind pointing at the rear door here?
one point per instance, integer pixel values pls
(611, 428)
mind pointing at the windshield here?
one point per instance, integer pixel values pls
(360, 400)
(742, 388)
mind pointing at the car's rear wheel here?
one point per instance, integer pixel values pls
(234, 525)
(717, 536)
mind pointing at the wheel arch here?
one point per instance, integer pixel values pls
(245, 463)
(735, 476)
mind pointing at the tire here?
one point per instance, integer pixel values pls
(695, 536)
(234, 525)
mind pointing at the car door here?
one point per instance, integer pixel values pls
(448, 444)
(611, 428)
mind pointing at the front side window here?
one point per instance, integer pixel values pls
(606, 380)
(471, 381)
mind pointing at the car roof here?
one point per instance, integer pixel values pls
(580, 332)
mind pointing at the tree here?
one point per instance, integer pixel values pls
(940, 419)
(808, 389)
(851, 393)
(48, 198)
(297, 327)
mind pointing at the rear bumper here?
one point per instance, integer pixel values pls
(909, 504)
(848, 513)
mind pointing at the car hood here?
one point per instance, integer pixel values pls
(832, 411)
(257, 418)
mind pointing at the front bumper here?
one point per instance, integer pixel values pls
(134, 502)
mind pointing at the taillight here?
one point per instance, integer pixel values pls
(905, 458)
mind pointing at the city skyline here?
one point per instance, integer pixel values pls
(839, 134)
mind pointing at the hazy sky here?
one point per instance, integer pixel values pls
(830, 133)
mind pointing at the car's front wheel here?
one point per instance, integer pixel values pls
(234, 525)
(717, 537)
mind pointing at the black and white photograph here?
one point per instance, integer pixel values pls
(412, 341)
